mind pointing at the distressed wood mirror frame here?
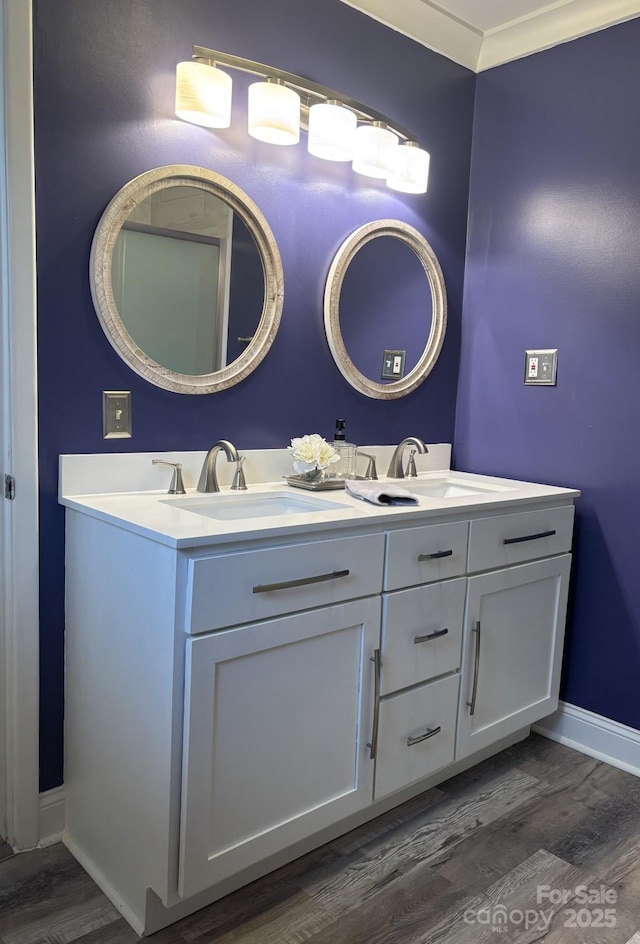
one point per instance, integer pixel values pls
(100, 269)
(345, 254)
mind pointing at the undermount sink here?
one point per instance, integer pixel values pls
(451, 487)
(227, 507)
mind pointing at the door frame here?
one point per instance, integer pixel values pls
(19, 615)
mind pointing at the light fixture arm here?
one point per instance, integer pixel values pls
(312, 92)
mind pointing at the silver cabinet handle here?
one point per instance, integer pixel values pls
(423, 737)
(474, 691)
(437, 555)
(373, 744)
(429, 636)
(301, 582)
(530, 537)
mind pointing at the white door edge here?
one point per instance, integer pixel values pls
(19, 790)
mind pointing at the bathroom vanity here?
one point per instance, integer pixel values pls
(242, 688)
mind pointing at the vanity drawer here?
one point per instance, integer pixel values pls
(229, 589)
(509, 539)
(421, 633)
(416, 734)
(420, 555)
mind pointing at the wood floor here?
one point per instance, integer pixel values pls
(491, 850)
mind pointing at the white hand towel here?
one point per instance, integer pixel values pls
(381, 494)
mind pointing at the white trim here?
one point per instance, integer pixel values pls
(19, 629)
(52, 816)
(599, 737)
(432, 27)
(105, 885)
(550, 27)
(555, 23)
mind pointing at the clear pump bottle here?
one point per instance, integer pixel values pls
(346, 467)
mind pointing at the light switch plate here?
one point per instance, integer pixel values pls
(540, 367)
(116, 414)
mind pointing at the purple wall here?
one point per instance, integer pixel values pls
(552, 261)
(103, 98)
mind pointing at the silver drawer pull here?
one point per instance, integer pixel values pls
(423, 737)
(471, 705)
(377, 666)
(301, 582)
(530, 537)
(437, 555)
(441, 632)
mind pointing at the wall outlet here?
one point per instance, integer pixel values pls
(540, 367)
(393, 365)
(116, 414)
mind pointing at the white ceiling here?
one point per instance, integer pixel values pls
(481, 34)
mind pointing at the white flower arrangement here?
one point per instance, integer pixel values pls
(312, 454)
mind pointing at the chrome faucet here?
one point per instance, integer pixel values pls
(395, 470)
(208, 481)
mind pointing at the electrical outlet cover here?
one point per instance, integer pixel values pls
(393, 365)
(540, 367)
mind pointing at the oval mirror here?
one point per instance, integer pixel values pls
(186, 279)
(385, 309)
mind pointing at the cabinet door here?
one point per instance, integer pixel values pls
(512, 650)
(277, 716)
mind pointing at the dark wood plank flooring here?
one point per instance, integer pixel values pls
(491, 850)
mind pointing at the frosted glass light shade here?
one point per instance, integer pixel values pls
(409, 169)
(375, 145)
(332, 129)
(203, 94)
(274, 113)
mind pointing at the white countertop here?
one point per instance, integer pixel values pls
(158, 516)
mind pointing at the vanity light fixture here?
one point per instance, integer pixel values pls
(203, 94)
(274, 112)
(409, 168)
(332, 131)
(282, 104)
(375, 144)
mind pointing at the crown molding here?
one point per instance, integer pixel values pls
(557, 23)
(428, 25)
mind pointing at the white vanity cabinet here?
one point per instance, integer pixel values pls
(233, 703)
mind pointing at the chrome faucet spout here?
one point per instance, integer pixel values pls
(208, 481)
(396, 470)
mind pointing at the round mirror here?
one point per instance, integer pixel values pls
(186, 279)
(385, 309)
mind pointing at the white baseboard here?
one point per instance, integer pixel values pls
(584, 731)
(52, 814)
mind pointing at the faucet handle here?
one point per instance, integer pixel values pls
(371, 471)
(177, 485)
(411, 465)
(239, 481)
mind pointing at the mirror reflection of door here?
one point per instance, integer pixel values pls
(385, 305)
(174, 277)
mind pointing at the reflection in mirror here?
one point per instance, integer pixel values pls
(180, 260)
(385, 305)
(385, 292)
(186, 279)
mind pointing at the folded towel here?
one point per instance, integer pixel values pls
(380, 494)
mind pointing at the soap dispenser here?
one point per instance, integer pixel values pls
(346, 467)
